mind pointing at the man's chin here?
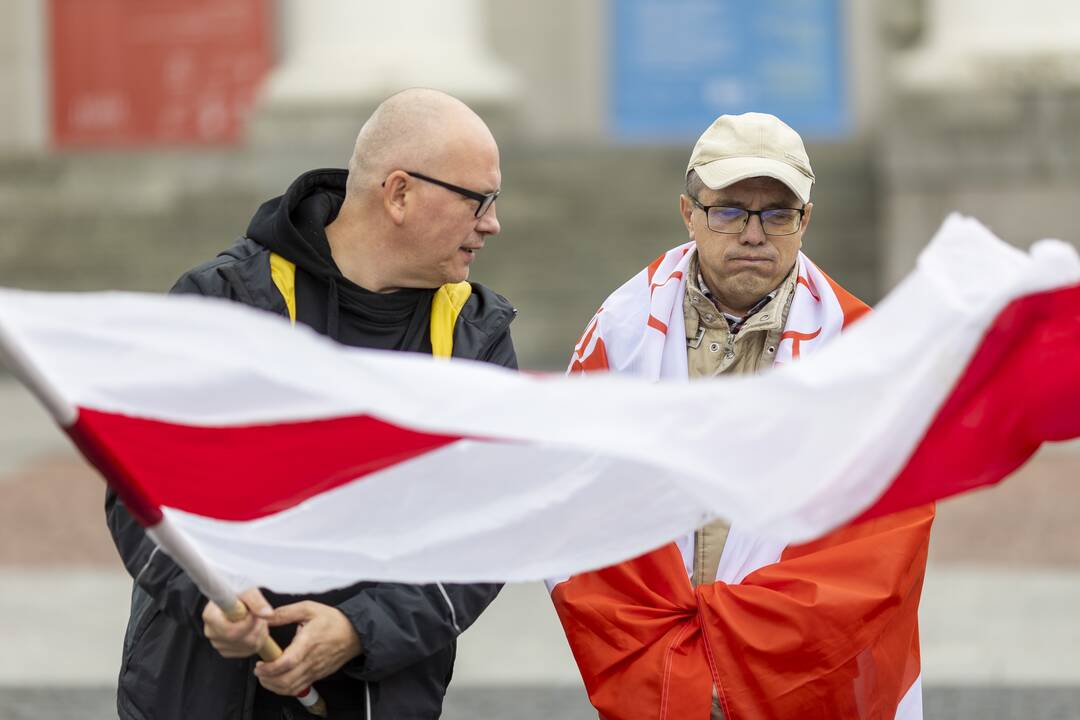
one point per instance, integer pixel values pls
(748, 293)
(457, 275)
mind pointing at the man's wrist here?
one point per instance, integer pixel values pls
(354, 646)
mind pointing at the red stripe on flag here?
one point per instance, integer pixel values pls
(653, 267)
(137, 500)
(852, 307)
(1021, 389)
(656, 324)
(239, 473)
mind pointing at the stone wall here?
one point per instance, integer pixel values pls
(1008, 156)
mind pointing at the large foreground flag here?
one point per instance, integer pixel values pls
(261, 454)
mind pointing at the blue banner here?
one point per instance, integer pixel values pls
(678, 64)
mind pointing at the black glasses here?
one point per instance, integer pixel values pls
(486, 200)
(733, 220)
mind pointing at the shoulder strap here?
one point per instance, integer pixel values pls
(445, 308)
(283, 273)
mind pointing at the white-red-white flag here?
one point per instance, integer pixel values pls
(271, 456)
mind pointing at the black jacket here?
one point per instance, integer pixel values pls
(408, 632)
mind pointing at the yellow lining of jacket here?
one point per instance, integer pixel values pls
(283, 273)
(445, 306)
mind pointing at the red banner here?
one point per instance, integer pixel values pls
(155, 72)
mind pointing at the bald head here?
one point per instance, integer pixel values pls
(411, 215)
(417, 129)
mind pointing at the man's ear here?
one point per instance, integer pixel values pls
(686, 209)
(395, 196)
(808, 210)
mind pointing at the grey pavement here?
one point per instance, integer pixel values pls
(567, 703)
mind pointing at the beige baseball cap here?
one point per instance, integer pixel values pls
(737, 147)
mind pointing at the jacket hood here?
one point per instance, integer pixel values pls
(291, 225)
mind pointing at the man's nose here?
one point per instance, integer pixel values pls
(754, 232)
(489, 223)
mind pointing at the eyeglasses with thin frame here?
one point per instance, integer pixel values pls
(486, 200)
(732, 220)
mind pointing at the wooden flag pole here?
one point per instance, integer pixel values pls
(270, 651)
(220, 592)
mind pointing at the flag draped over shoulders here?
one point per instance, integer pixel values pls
(638, 329)
(815, 635)
(831, 630)
(822, 630)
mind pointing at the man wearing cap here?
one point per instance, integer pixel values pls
(719, 623)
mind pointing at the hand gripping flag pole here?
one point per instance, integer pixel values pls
(209, 581)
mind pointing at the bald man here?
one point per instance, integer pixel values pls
(374, 257)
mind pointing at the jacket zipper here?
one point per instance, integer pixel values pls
(450, 605)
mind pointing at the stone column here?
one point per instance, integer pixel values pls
(339, 58)
(985, 120)
(24, 86)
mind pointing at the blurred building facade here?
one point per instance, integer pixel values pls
(912, 108)
(944, 105)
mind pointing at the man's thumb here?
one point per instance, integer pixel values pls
(290, 614)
